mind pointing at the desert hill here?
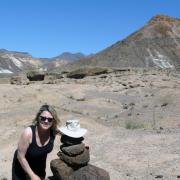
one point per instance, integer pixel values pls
(17, 62)
(157, 44)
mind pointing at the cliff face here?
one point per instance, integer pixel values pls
(157, 44)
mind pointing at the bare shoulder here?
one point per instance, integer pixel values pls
(24, 141)
(27, 134)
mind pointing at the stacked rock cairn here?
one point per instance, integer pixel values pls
(72, 163)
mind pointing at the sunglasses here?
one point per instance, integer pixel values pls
(43, 119)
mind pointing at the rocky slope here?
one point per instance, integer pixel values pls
(157, 44)
(15, 62)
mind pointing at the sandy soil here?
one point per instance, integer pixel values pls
(133, 121)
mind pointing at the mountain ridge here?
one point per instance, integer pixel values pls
(16, 62)
(156, 44)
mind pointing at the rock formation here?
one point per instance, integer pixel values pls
(73, 162)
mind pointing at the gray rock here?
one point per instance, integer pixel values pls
(60, 169)
(49, 79)
(75, 161)
(72, 150)
(71, 141)
(19, 80)
(90, 172)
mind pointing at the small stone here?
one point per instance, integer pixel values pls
(73, 150)
(125, 106)
(164, 104)
(159, 176)
(71, 141)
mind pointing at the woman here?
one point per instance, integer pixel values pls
(35, 143)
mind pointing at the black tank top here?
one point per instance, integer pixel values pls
(36, 156)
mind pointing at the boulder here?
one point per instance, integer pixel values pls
(35, 75)
(75, 161)
(71, 141)
(87, 71)
(49, 79)
(19, 80)
(73, 150)
(61, 171)
(89, 172)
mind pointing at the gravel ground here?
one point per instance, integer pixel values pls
(132, 121)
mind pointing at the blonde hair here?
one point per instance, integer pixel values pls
(50, 109)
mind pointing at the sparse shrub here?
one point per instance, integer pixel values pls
(35, 75)
(145, 106)
(19, 99)
(147, 126)
(133, 125)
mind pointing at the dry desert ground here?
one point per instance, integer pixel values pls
(133, 121)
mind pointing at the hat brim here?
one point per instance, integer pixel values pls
(75, 134)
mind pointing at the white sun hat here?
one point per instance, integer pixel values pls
(73, 129)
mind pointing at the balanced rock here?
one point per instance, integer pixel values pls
(76, 161)
(71, 141)
(73, 150)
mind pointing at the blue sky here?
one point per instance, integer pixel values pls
(46, 28)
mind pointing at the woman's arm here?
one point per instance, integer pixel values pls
(23, 145)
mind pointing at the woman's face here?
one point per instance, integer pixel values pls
(45, 120)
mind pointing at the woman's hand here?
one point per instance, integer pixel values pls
(35, 177)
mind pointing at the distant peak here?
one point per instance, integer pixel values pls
(3, 50)
(163, 18)
(14, 52)
(70, 56)
(69, 53)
